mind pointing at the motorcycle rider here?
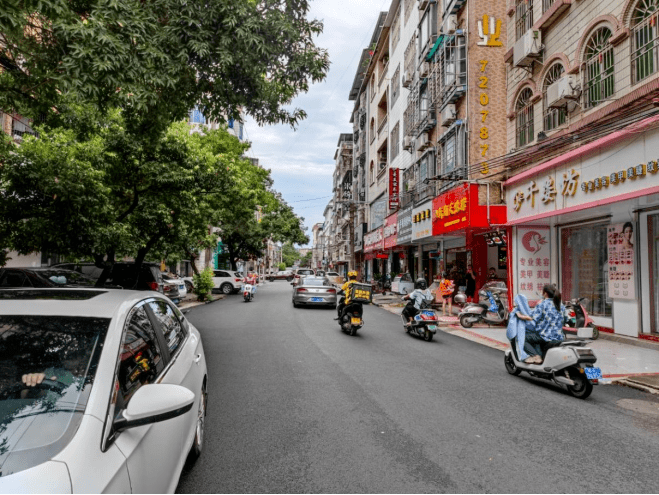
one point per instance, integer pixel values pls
(352, 279)
(420, 296)
(251, 279)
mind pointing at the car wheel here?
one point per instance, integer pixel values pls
(189, 287)
(226, 289)
(289, 279)
(198, 443)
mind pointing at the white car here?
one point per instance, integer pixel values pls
(120, 402)
(226, 281)
(180, 283)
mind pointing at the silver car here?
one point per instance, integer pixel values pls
(311, 291)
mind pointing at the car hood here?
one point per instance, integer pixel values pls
(49, 477)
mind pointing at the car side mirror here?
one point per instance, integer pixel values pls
(154, 403)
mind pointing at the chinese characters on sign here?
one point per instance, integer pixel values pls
(394, 191)
(652, 167)
(548, 192)
(533, 261)
(621, 261)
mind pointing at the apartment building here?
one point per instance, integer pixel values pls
(582, 134)
(343, 211)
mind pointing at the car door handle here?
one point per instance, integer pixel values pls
(197, 358)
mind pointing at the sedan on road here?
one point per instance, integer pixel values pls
(101, 390)
(314, 291)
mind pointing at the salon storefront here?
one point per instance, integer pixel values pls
(373, 252)
(472, 232)
(589, 222)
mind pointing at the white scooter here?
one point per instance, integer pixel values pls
(249, 291)
(569, 364)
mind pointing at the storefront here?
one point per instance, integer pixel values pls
(425, 242)
(589, 222)
(404, 240)
(391, 248)
(470, 228)
(373, 247)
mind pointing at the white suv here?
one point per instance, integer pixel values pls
(227, 281)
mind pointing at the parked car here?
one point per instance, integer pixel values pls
(44, 277)
(314, 291)
(283, 275)
(118, 396)
(179, 282)
(226, 281)
(402, 284)
(302, 272)
(335, 278)
(126, 275)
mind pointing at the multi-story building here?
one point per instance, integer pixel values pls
(317, 251)
(582, 118)
(344, 207)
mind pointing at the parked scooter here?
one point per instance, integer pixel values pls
(577, 317)
(249, 291)
(424, 324)
(494, 313)
(569, 364)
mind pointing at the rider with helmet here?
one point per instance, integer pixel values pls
(352, 279)
(418, 299)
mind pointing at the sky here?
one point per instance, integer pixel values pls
(302, 160)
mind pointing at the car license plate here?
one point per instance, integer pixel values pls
(181, 287)
(355, 321)
(593, 373)
(317, 299)
(432, 327)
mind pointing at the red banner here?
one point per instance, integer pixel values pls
(459, 209)
(390, 231)
(394, 189)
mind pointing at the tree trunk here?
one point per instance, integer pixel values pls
(193, 258)
(107, 266)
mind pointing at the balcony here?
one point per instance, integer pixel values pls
(382, 125)
(552, 10)
(383, 74)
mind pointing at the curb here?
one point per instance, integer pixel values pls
(625, 380)
(195, 303)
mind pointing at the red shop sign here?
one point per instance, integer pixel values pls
(459, 209)
(390, 231)
(394, 188)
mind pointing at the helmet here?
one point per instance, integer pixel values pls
(421, 283)
(352, 275)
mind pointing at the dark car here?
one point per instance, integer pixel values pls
(12, 278)
(126, 275)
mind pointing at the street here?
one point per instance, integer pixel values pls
(297, 406)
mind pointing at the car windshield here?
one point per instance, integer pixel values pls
(332, 274)
(67, 278)
(315, 281)
(37, 422)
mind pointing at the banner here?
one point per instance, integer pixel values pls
(533, 261)
(620, 238)
(394, 189)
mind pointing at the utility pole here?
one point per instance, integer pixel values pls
(352, 266)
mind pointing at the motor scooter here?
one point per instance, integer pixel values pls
(350, 317)
(424, 324)
(568, 364)
(249, 291)
(577, 317)
(494, 313)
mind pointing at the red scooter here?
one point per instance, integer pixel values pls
(577, 317)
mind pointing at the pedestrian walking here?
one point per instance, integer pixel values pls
(470, 279)
(446, 288)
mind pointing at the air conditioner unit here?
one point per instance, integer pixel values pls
(527, 48)
(407, 79)
(424, 70)
(422, 142)
(448, 115)
(423, 4)
(561, 91)
(407, 143)
(451, 24)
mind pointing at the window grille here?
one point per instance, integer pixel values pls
(553, 117)
(524, 118)
(546, 5)
(645, 42)
(395, 31)
(523, 17)
(395, 140)
(452, 62)
(599, 69)
(452, 162)
(395, 86)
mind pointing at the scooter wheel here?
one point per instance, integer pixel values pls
(510, 365)
(427, 336)
(467, 321)
(582, 388)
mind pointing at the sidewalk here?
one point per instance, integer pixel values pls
(623, 360)
(190, 301)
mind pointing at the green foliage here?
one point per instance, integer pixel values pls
(282, 267)
(306, 261)
(160, 58)
(203, 284)
(289, 254)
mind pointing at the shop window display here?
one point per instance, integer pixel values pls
(584, 267)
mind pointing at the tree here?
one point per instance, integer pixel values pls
(289, 254)
(306, 261)
(160, 58)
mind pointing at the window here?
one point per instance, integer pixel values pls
(218, 273)
(395, 140)
(546, 5)
(645, 45)
(141, 356)
(524, 118)
(523, 17)
(196, 117)
(584, 267)
(395, 30)
(598, 74)
(553, 117)
(372, 173)
(452, 60)
(409, 5)
(427, 29)
(169, 324)
(395, 85)
(372, 129)
(454, 151)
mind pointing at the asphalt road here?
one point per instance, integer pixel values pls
(297, 406)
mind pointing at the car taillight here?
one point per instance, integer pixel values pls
(153, 286)
(331, 291)
(239, 280)
(302, 290)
